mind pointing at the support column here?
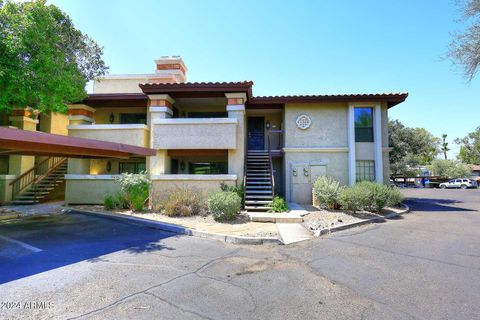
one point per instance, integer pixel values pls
(351, 145)
(159, 107)
(377, 135)
(79, 114)
(22, 119)
(236, 157)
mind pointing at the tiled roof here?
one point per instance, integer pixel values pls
(199, 84)
(198, 87)
(391, 98)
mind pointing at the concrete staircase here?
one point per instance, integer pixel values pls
(258, 184)
(44, 185)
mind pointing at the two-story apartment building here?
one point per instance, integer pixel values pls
(206, 134)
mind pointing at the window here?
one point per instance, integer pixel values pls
(131, 167)
(133, 118)
(208, 168)
(365, 170)
(363, 124)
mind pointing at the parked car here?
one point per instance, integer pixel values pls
(459, 183)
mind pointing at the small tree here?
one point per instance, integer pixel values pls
(450, 168)
(444, 146)
(470, 147)
(465, 46)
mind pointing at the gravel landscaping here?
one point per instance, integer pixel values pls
(320, 219)
(241, 226)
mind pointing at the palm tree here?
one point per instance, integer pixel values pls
(445, 147)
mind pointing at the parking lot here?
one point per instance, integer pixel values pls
(423, 265)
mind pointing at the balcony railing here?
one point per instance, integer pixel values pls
(195, 133)
(276, 139)
(132, 134)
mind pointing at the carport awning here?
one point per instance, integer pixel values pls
(16, 141)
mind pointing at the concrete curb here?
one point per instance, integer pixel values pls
(173, 228)
(364, 222)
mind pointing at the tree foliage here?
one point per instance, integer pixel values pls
(450, 168)
(465, 46)
(470, 147)
(45, 62)
(410, 147)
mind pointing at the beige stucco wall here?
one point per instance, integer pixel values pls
(89, 191)
(126, 85)
(195, 134)
(162, 188)
(55, 123)
(6, 188)
(328, 128)
(133, 134)
(365, 151)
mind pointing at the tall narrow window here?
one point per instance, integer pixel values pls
(363, 124)
(365, 170)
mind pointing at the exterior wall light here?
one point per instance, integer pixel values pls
(267, 125)
(112, 117)
(109, 166)
(182, 166)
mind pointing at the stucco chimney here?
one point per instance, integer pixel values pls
(172, 66)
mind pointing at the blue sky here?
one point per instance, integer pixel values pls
(298, 47)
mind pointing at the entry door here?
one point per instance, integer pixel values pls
(255, 133)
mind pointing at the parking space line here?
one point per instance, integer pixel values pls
(22, 244)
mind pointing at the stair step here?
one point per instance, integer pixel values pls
(258, 175)
(254, 192)
(258, 178)
(258, 182)
(262, 208)
(248, 202)
(24, 201)
(258, 197)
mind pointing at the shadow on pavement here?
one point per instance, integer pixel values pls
(430, 204)
(70, 238)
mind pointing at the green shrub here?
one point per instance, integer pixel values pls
(113, 201)
(352, 199)
(135, 189)
(369, 196)
(279, 204)
(237, 189)
(395, 197)
(326, 190)
(109, 202)
(224, 205)
(184, 203)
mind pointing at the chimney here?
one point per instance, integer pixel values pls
(172, 66)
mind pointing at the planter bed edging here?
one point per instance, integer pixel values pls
(173, 228)
(361, 223)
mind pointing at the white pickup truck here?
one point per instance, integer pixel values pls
(459, 183)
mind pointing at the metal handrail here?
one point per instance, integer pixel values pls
(271, 165)
(244, 178)
(35, 174)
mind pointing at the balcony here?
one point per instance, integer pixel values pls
(193, 133)
(132, 134)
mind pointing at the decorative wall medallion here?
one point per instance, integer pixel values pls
(303, 122)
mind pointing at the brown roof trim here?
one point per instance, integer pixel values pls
(116, 96)
(197, 87)
(106, 100)
(16, 141)
(391, 98)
